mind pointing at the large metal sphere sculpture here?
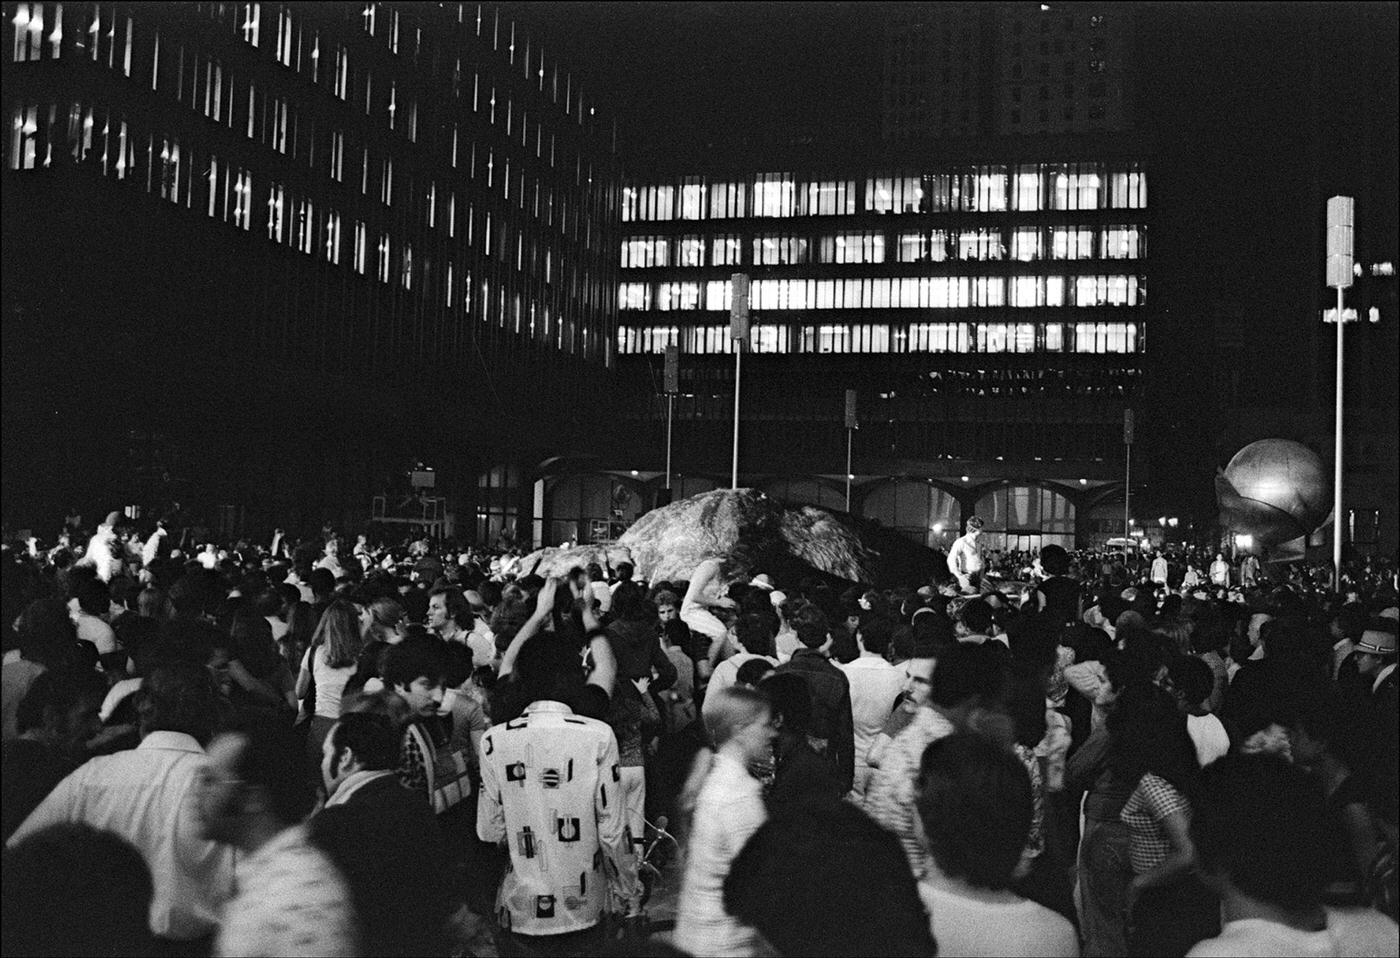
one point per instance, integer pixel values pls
(1274, 490)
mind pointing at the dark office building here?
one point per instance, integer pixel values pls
(296, 247)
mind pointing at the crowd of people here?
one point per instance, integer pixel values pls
(323, 748)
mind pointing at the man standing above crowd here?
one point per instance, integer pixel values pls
(965, 557)
(1220, 571)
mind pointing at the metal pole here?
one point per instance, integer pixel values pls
(1337, 518)
(670, 405)
(1127, 491)
(738, 365)
(849, 434)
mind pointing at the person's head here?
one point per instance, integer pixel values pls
(975, 618)
(755, 633)
(668, 606)
(969, 674)
(1147, 733)
(741, 719)
(975, 804)
(46, 632)
(752, 672)
(629, 603)
(974, 526)
(322, 583)
(179, 697)
(791, 697)
(811, 627)
(846, 886)
(358, 742)
(414, 669)
(1376, 648)
(72, 889)
(339, 633)
(875, 635)
(1257, 824)
(447, 605)
(625, 571)
(254, 780)
(1191, 680)
(387, 619)
(60, 707)
(1054, 560)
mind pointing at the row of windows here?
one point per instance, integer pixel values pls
(981, 189)
(910, 292)
(210, 87)
(883, 338)
(1025, 244)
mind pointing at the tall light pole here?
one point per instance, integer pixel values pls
(1127, 474)
(1341, 214)
(851, 426)
(739, 333)
(673, 386)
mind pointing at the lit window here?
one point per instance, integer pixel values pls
(774, 195)
(383, 271)
(360, 253)
(406, 275)
(333, 239)
(243, 199)
(386, 182)
(725, 250)
(252, 18)
(341, 86)
(337, 153)
(692, 200)
(1025, 245)
(634, 296)
(276, 202)
(690, 251)
(284, 37)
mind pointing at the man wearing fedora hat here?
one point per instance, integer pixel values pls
(1375, 660)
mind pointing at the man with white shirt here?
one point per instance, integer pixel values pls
(1258, 829)
(965, 560)
(161, 779)
(291, 900)
(875, 687)
(1159, 569)
(151, 550)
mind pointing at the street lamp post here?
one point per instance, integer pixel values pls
(1341, 211)
(851, 426)
(739, 333)
(673, 386)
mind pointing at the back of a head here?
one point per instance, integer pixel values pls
(975, 803)
(846, 886)
(755, 633)
(372, 736)
(1147, 733)
(272, 762)
(547, 668)
(967, 672)
(630, 602)
(1054, 560)
(734, 708)
(876, 633)
(792, 700)
(46, 632)
(1192, 678)
(180, 697)
(55, 695)
(811, 626)
(71, 889)
(1258, 821)
(339, 633)
(976, 617)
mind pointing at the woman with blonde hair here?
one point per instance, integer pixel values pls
(329, 662)
(724, 805)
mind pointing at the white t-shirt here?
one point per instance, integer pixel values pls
(1209, 736)
(1349, 931)
(1012, 926)
(330, 683)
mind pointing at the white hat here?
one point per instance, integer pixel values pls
(762, 582)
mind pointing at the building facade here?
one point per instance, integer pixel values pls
(989, 306)
(297, 246)
(979, 69)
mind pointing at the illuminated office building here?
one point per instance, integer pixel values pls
(295, 245)
(990, 305)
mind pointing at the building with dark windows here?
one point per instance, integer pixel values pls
(988, 301)
(978, 69)
(300, 247)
